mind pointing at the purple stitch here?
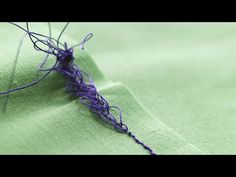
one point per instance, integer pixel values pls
(76, 85)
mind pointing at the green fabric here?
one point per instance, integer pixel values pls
(173, 81)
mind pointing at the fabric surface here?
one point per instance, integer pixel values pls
(173, 81)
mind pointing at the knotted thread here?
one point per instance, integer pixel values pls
(79, 83)
(89, 96)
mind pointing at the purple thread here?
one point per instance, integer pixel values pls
(76, 84)
(13, 74)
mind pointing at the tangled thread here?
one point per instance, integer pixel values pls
(79, 83)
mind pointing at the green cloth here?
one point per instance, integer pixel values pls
(173, 81)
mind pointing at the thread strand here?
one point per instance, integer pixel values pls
(77, 84)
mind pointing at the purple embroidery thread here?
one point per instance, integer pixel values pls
(76, 80)
(13, 74)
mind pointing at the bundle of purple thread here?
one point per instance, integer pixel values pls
(76, 80)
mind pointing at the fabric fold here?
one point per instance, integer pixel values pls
(43, 119)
